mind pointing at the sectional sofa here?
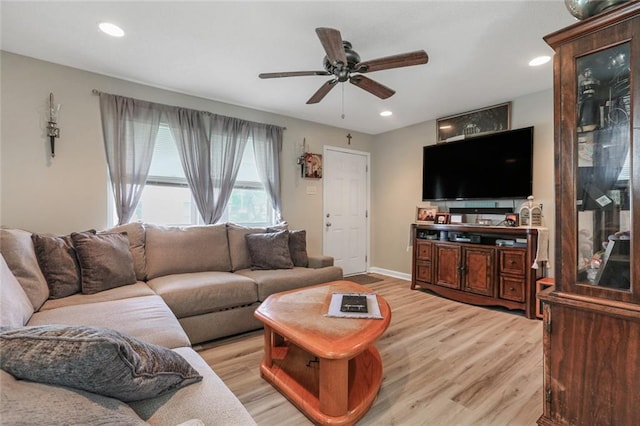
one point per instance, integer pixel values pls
(168, 287)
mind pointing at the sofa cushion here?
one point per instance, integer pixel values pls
(269, 250)
(147, 317)
(28, 403)
(58, 263)
(202, 292)
(178, 249)
(209, 400)
(17, 248)
(277, 280)
(15, 306)
(125, 292)
(94, 359)
(137, 237)
(105, 261)
(240, 258)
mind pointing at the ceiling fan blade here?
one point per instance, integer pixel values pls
(373, 87)
(418, 57)
(291, 74)
(332, 42)
(322, 91)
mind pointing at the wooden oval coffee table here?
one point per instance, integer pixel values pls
(328, 367)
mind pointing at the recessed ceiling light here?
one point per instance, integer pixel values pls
(540, 60)
(111, 29)
(386, 113)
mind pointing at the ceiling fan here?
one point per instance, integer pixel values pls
(343, 63)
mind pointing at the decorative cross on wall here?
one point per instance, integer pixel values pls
(349, 138)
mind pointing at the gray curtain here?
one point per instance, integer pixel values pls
(267, 144)
(229, 138)
(130, 127)
(211, 149)
(191, 131)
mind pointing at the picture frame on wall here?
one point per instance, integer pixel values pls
(312, 165)
(426, 215)
(495, 118)
(442, 218)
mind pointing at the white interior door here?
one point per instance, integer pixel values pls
(346, 204)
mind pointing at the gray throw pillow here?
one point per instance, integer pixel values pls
(59, 264)
(297, 246)
(94, 359)
(105, 261)
(269, 250)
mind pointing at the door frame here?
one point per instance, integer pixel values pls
(367, 156)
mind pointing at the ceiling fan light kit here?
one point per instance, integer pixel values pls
(342, 62)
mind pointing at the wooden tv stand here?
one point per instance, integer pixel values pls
(469, 265)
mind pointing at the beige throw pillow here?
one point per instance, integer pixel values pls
(15, 306)
(18, 251)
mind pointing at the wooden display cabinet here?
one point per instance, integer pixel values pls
(592, 314)
(479, 272)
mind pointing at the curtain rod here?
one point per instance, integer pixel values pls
(98, 92)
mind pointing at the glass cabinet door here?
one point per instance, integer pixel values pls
(603, 184)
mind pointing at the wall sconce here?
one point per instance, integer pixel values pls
(52, 125)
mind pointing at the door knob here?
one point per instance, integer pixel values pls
(328, 224)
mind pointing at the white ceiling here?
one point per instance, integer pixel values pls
(478, 51)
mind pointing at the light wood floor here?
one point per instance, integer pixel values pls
(445, 363)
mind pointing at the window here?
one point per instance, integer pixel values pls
(166, 198)
(249, 203)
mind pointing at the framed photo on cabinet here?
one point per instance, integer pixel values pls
(426, 215)
(442, 218)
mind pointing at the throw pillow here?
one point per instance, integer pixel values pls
(269, 250)
(15, 306)
(20, 254)
(297, 246)
(94, 359)
(137, 239)
(105, 261)
(59, 264)
(240, 258)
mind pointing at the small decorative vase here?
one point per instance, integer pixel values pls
(583, 9)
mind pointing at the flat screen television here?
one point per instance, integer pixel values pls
(492, 166)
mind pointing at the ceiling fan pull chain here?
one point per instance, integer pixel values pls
(342, 102)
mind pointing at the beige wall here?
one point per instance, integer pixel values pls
(397, 178)
(69, 192)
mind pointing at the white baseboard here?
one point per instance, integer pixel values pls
(390, 273)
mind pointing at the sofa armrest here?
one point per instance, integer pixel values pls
(316, 262)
